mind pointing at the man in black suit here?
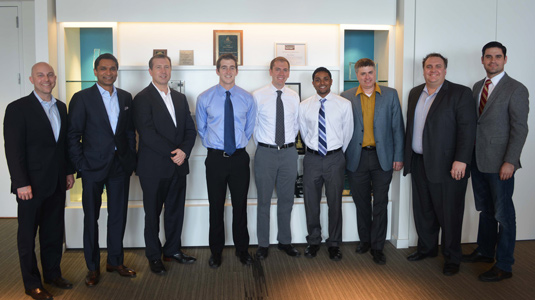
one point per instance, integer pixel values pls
(35, 127)
(102, 145)
(441, 127)
(166, 137)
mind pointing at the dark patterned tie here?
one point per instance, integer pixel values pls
(279, 124)
(484, 96)
(230, 141)
(322, 137)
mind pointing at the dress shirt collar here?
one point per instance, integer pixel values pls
(52, 100)
(103, 91)
(162, 93)
(436, 92)
(220, 90)
(496, 78)
(361, 91)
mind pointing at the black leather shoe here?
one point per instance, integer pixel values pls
(418, 256)
(335, 253)
(495, 274)
(181, 258)
(476, 256)
(92, 278)
(215, 261)
(262, 253)
(289, 249)
(245, 257)
(378, 257)
(39, 293)
(311, 251)
(363, 247)
(450, 269)
(60, 282)
(157, 267)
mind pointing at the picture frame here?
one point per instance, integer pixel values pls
(295, 53)
(228, 41)
(159, 51)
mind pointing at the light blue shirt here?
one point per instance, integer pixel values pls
(111, 102)
(52, 112)
(420, 115)
(210, 115)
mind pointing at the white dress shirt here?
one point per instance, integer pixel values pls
(168, 102)
(338, 119)
(266, 114)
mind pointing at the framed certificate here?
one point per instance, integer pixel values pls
(295, 53)
(228, 41)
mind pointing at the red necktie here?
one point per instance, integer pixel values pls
(484, 96)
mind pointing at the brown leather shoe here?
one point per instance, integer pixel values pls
(122, 270)
(39, 293)
(92, 278)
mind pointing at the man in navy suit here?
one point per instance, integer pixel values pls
(35, 127)
(441, 130)
(102, 145)
(166, 137)
(375, 151)
(502, 128)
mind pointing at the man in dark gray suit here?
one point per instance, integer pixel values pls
(166, 137)
(502, 128)
(441, 129)
(375, 151)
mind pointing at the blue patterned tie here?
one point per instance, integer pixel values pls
(322, 137)
(230, 141)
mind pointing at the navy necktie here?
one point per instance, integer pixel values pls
(230, 141)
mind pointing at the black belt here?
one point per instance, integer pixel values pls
(369, 148)
(222, 152)
(275, 146)
(328, 152)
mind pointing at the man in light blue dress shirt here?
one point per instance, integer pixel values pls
(227, 162)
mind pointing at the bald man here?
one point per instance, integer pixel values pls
(35, 127)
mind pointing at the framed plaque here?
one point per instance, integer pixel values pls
(159, 51)
(228, 41)
(295, 53)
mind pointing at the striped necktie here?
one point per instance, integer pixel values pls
(322, 137)
(484, 96)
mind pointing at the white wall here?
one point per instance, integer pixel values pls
(459, 34)
(232, 11)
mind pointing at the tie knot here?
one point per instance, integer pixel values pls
(279, 92)
(228, 93)
(323, 100)
(488, 82)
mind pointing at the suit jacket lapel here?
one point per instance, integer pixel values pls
(41, 115)
(158, 99)
(412, 107)
(358, 109)
(379, 103)
(498, 89)
(99, 105)
(438, 99)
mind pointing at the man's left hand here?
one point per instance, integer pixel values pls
(398, 165)
(458, 170)
(178, 156)
(70, 181)
(506, 171)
